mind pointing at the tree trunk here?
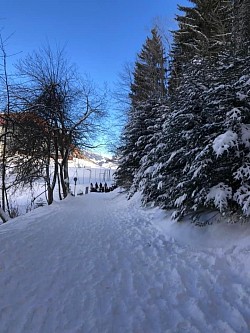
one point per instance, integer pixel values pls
(64, 172)
(59, 186)
(48, 185)
(50, 194)
(6, 125)
(3, 215)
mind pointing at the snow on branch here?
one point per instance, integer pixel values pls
(224, 141)
(243, 172)
(242, 197)
(234, 114)
(173, 154)
(219, 194)
(245, 134)
(179, 201)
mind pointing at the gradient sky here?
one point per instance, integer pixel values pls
(100, 36)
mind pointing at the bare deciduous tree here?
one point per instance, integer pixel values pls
(5, 104)
(63, 112)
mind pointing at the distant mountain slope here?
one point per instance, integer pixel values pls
(96, 159)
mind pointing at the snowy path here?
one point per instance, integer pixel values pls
(95, 264)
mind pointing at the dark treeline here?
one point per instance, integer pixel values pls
(186, 142)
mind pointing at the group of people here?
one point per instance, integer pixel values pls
(100, 187)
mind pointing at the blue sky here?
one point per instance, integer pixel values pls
(99, 35)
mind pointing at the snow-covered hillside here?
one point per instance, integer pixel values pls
(98, 159)
(98, 263)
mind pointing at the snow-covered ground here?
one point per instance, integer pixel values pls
(86, 171)
(98, 263)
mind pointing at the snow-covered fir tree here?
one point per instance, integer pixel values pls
(182, 132)
(147, 90)
(190, 149)
(206, 137)
(208, 164)
(204, 30)
(150, 72)
(143, 179)
(241, 24)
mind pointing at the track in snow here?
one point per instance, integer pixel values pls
(95, 264)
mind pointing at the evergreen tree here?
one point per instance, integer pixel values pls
(182, 133)
(191, 150)
(231, 144)
(147, 90)
(185, 170)
(241, 25)
(148, 158)
(204, 30)
(150, 72)
(127, 152)
(145, 177)
(206, 140)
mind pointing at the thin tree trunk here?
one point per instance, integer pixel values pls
(50, 195)
(3, 215)
(59, 186)
(63, 182)
(49, 188)
(6, 120)
(64, 172)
